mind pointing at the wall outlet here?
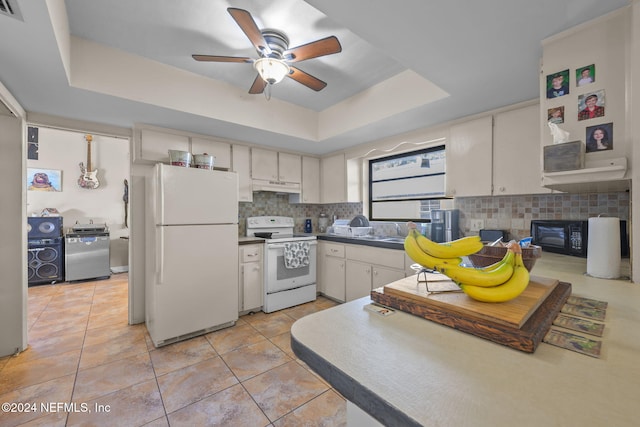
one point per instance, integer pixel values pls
(476, 224)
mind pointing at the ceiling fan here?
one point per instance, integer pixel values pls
(275, 55)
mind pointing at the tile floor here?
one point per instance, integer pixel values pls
(86, 366)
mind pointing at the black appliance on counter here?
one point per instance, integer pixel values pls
(445, 225)
(45, 254)
(569, 237)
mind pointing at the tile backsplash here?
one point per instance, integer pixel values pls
(275, 204)
(510, 213)
(514, 213)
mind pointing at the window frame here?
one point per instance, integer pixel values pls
(371, 201)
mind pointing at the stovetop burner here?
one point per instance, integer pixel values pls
(280, 227)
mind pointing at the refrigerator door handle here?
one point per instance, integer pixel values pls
(160, 200)
(160, 257)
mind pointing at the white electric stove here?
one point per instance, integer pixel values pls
(289, 264)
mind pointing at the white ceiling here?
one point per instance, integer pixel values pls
(404, 65)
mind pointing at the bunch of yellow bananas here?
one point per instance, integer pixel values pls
(499, 282)
(502, 292)
(432, 255)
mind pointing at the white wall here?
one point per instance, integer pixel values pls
(605, 43)
(13, 246)
(63, 150)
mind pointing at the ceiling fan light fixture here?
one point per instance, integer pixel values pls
(271, 70)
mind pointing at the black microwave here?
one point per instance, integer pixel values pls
(569, 237)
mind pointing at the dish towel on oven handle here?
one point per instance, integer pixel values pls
(296, 254)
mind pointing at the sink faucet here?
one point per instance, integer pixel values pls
(399, 231)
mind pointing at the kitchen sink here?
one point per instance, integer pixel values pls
(387, 239)
(393, 239)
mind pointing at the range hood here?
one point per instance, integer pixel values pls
(276, 186)
(597, 176)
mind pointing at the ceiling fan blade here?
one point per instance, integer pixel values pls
(248, 26)
(215, 58)
(306, 79)
(258, 86)
(322, 47)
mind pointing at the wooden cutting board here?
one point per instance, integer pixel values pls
(540, 306)
(512, 313)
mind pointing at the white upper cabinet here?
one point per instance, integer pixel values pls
(289, 167)
(152, 146)
(333, 177)
(469, 158)
(310, 191)
(221, 150)
(242, 166)
(516, 152)
(273, 166)
(264, 164)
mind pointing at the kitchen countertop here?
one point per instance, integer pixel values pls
(250, 240)
(405, 370)
(361, 241)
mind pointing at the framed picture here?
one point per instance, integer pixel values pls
(585, 75)
(591, 105)
(555, 115)
(44, 180)
(558, 84)
(32, 143)
(599, 137)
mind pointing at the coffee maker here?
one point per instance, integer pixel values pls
(445, 225)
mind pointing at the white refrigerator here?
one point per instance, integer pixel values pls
(191, 252)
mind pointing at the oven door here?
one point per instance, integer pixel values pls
(279, 278)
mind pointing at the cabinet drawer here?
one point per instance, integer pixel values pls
(332, 249)
(377, 256)
(250, 253)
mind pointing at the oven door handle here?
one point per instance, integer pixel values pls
(281, 245)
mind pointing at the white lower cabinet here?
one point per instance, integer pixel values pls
(348, 272)
(331, 270)
(362, 278)
(358, 276)
(383, 276)
(250, 277)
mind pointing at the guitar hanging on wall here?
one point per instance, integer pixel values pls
(88, 177)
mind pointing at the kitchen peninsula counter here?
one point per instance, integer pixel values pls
(405, 370)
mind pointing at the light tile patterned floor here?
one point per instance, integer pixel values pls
(82, 354)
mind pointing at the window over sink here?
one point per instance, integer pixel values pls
(407, 186)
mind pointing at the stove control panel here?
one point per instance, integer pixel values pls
(269, 222)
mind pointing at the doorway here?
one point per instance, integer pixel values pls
(70, 155)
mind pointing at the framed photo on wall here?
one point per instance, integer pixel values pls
(558, 84)
(599, 137)
(591, 105)
(555, 115)
(585, 75)
(44, 179)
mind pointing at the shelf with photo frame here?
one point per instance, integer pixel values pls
(590, 70)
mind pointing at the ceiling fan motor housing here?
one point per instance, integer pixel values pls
(277, 41)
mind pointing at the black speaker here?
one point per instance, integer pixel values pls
(45, 227)
(45, 262)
